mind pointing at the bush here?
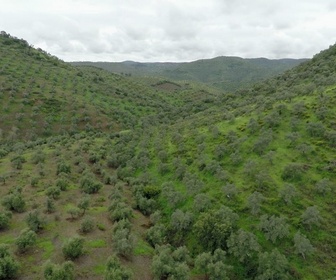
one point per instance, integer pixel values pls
(5, 218)
(26, 239)
(8, 266)
(34, 221)
(114, 271)
(87, 225)
(73, 248)
(293, 172)
(14, 202)
(65, 271)
(89, 185)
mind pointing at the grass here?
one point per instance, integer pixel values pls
(97, 243)
(142, 248)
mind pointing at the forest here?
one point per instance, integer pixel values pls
(111, 176)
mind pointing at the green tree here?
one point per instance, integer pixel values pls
(243, 245)
(89, 185)
(274, 227)
(230, 190)
(14, 202)
(214, 227)
(73, 247)
(9, 267)
(65, 271)
(323, 186)
(254, 202)
(34, 221)
(114, 270)
(87, 225)
(272, 266)
(311, 216)
(84, 204)
(213, 265)
(26, 239)
(53, 192)
(302, 245)
(287, 193)
(156, 235)
(5, 218)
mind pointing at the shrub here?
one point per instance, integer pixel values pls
(26, 239)
(87, 225)
(34, 221)
(8, 266)
(5, 218)
(14, 202)
(73, 248)
(65, 271)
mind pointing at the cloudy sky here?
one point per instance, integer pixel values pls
(172, 30)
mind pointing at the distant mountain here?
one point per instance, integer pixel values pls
(224, 72)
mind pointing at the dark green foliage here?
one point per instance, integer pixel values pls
(287, 193)
(50, 205)
(64, 271)
(9, 267)
(63, 167)
(293, 171)
(302, 245)
(34, 221)
(73, 248)
(114, 270)
(87, 225)
(84, 204)
(272, 266)
(26, 239)
(213, 265)
(14, 202)
(122, 238)
(311, 217)
(62, 183)
(254, 202)
(243, 245)
(156, 235)
(53, 192)
(89, 184)
(170, 264)
(274, 227)
(213, 227)
(5, 217)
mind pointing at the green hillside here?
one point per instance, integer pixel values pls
(226, 73)
(187, 182)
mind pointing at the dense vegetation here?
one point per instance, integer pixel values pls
(187, 182)
(225, 73)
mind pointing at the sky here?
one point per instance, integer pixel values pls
(172, 30)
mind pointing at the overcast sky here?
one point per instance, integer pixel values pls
(172, 30)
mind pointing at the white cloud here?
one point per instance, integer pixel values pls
(172, 30)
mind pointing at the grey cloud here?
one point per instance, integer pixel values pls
(172, 30)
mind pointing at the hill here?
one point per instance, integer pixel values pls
(200, 185)
(226, 73)
(43, 96)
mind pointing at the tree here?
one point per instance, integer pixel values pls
(254, 202)
(293, 172)
(53, 192)
(311, 217)
(243, 245)
(65, 271)
(89, 185)
(272, 266)
(34, 221)
(9, 267)
(170, 264)
(287, 193)
(5, 218)
(213, 265)
(230, 190)
(114, 270)
(73, 247)
(14, 202)
(202, 202)
(156, 235)
(74, 212)
(180, 221)
(123, 242)
(87, 225)
(26, 239)
(214, 227)
(84, 204)
(302, 245)
(50, 205)
(273, 227)
(323, 186)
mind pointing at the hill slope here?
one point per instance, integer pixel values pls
(200, 185)
(226, 73)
